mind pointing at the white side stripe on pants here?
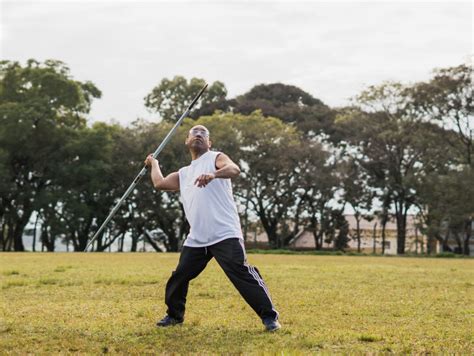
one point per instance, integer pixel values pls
(253, 272)
(259, 280)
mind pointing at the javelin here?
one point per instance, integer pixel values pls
(145, 168)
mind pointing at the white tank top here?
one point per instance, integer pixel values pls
(210, 211)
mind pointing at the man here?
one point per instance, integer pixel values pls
(206, 194)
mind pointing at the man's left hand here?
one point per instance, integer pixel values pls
(204, 179)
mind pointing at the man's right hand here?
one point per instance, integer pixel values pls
(149, 160)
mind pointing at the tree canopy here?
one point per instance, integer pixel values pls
(400, 148)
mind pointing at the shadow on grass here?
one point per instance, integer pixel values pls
(131, 282)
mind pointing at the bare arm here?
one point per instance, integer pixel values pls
(168, 183)
(226, 168)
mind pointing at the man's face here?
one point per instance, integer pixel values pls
(198, 138)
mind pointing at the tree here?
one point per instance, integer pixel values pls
(39, 103)
(170, 98)
(389, 145)
(319, 180)
(447, 207)
(288, 103)
(357, 193)
(265, 150)
(341, 230)
(118, 162)
(283, 174)
(269, 150)
(162, 210)
(448, 100)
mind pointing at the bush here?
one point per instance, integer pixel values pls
(447, 255)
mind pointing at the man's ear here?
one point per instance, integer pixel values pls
(210, 143)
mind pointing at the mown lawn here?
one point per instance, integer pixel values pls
(99, 303)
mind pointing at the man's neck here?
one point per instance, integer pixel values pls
(196, 154)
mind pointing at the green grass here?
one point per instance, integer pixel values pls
(109, 303)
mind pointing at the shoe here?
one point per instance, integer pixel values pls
(169, 321)
(271, 324)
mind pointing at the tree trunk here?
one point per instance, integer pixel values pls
(466, 250)
(246, 218)
(297, 220)
(384, 224)
(135, 238)
(374, 236)
(270, 229)
(20, 224)
(401, 217)
(33, 247)
(108, 242)
(99, 240)
(8, 243)
(75, 242)
(2, 236)
(431, 244)
(444, 244)
(47, 239)
(7, 236)
(357, 216)
(314, 227)
(83, 235)
(468, 233)
(416, 240)
(122, 238)
(18, 238)
(149, 239)
(459, 240)
(173, 242)
(422, 245)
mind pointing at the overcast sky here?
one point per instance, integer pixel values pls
(331, 50)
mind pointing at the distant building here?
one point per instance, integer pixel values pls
(371, 235)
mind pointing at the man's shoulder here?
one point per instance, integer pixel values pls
(212, 155)
(183, 169)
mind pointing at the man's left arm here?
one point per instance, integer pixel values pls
(225, 168)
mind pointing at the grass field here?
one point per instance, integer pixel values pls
(99, 303)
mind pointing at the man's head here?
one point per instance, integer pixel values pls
(198, 139)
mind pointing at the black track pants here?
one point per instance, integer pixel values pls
(230, 255)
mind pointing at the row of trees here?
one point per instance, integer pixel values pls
(398, 148)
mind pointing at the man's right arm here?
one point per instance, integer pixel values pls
(168, 183)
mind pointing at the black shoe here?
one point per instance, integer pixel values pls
(169, 321)
(271, 324)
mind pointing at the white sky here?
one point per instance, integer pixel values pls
(331, 50)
